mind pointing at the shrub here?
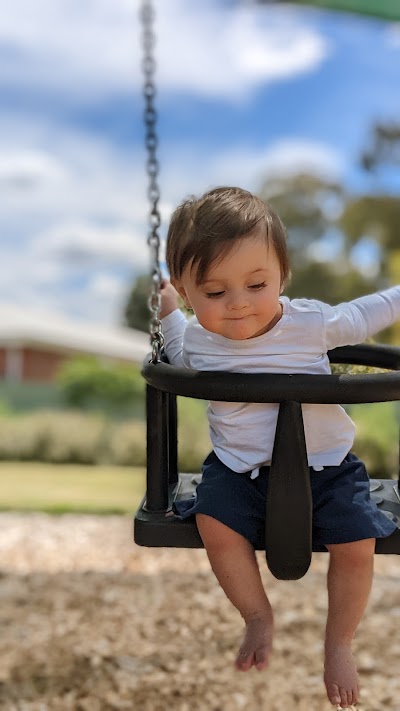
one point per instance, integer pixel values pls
(86, 438)
(127, 444)
(86, 383)
(20, 439)
(74, 437)
(377, 437)
(53, 437)
(193, 437)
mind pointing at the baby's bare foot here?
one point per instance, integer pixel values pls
(341, 679)
(256, 646)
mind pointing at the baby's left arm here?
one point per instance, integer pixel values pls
(355, 321)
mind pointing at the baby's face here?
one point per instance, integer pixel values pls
(240, 297)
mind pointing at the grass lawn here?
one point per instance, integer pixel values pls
(65, 488)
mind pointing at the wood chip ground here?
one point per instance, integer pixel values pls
(91, 622)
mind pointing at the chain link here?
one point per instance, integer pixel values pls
(152, 165)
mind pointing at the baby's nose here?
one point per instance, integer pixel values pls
(238, 301)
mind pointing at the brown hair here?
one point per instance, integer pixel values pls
(202, 230)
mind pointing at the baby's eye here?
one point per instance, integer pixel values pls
(258, 286)
(214, 294)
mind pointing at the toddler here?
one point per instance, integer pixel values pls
(228, 261)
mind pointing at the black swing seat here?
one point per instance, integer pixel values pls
(289, 501)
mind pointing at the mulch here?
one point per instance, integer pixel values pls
(91, 622)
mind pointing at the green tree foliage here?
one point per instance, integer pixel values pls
(378, 215)
(321, 280)
(89, 383)
(384, 147)
(137, 314)
(310, 207)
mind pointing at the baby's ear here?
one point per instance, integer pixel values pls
(181, 291)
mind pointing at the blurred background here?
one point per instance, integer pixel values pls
(297, 103)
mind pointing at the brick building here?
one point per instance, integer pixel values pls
(33, 345)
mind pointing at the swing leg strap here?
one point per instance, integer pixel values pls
(288, 531)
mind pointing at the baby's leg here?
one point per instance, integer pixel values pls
(349, 585)
(234, 563)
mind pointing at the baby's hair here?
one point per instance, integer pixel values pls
(203, 230)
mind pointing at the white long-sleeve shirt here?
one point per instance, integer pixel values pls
(242, 434)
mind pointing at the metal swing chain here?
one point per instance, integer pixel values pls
(152, 165)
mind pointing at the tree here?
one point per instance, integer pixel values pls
(378, 215)
(384, 147)
(87, 382)
(310, 207)
(321, 280)
(137, 314)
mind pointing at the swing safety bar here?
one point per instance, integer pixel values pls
(277, 387)
(289, 501)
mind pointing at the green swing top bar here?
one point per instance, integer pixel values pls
(382, 9)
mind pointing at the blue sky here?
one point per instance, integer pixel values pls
(244, 91)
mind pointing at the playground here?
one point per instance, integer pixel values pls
(90, 622)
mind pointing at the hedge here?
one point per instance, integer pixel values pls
(88, 438)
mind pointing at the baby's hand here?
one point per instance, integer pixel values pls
(169, 298)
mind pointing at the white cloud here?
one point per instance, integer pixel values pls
(226, 53)
(110, 296)
(84, 208)
(69, 172)
(75, 206)
(248, 165)
(26, 169)
(26, 281)
(105, 286)
(69, 46)
(29, 281)
(292, 155)
(80, 50)
(87, 244)
(71, 207)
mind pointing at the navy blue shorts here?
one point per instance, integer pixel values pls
(342, 508)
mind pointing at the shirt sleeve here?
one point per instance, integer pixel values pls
(355, 321)
(173, 328)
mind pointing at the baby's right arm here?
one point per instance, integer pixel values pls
(173, 323)
(169, 298)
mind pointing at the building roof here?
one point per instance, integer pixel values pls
(25, 327)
